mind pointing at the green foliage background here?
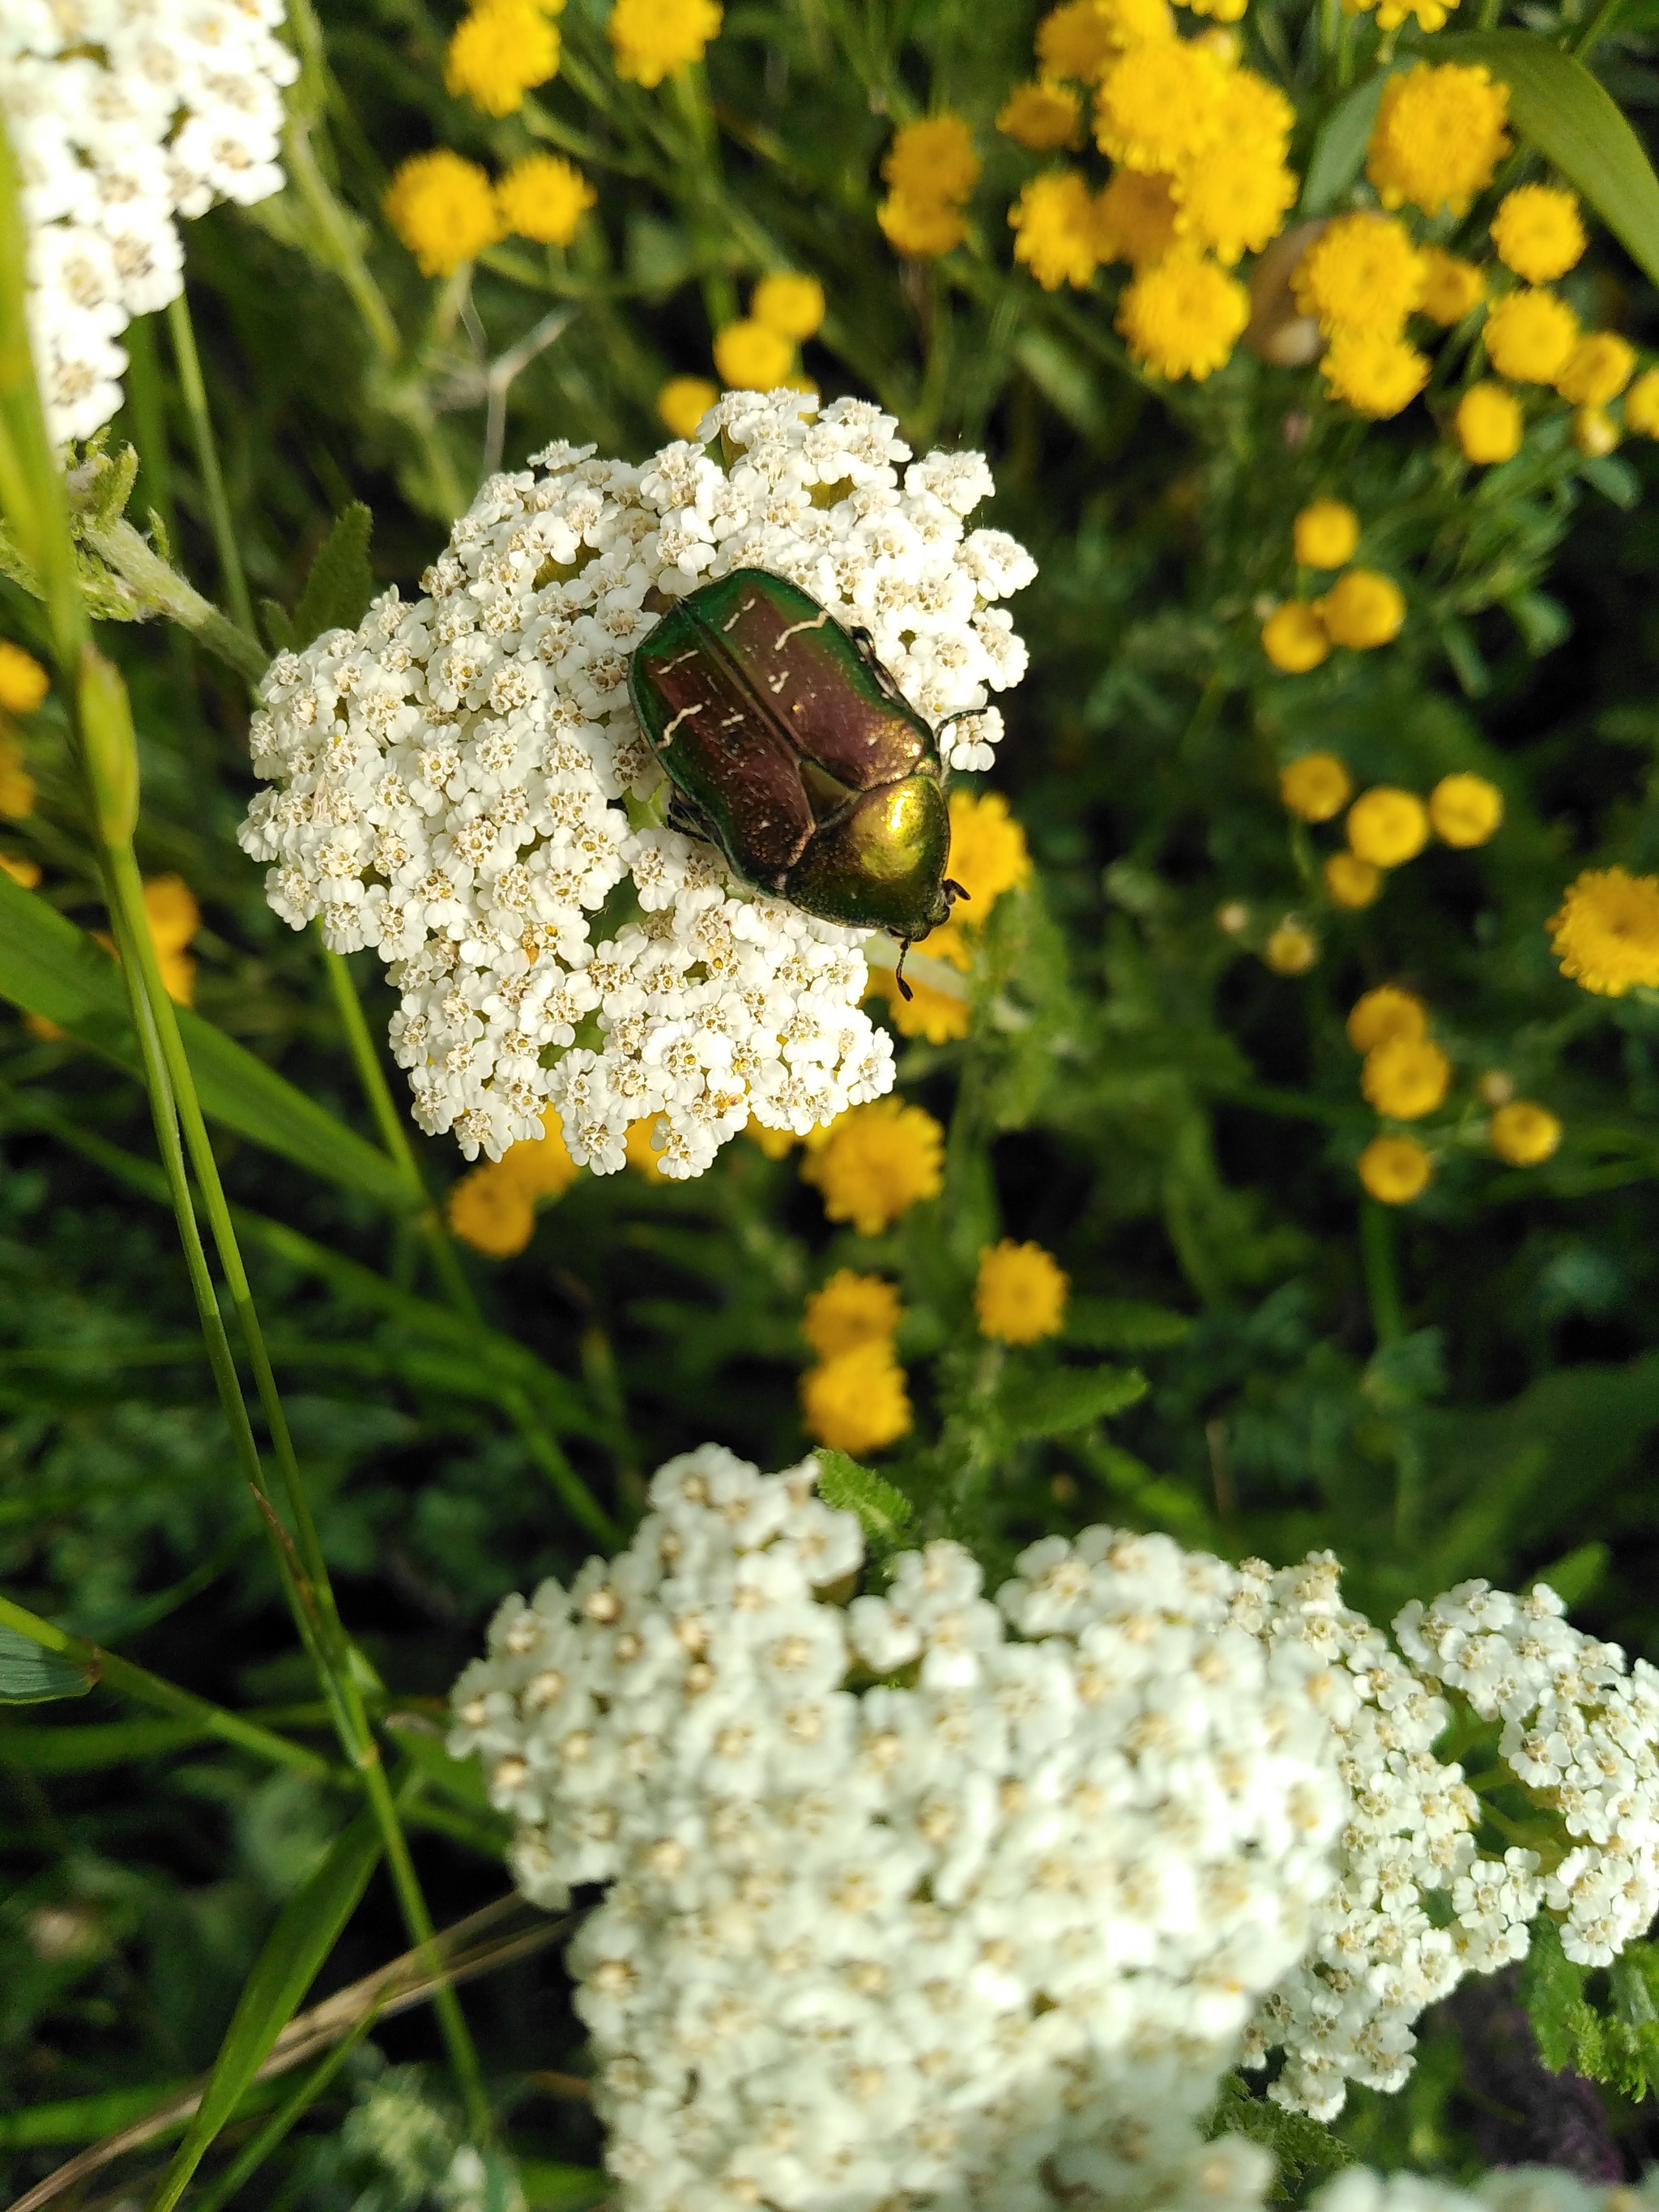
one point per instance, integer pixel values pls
(1468, 1387)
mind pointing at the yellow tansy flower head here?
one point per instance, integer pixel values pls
(1451, 288)
(921, 229)
(1352, 882)
(1056, 241)
(1041, 116)
(1405, 1078)
(499, 50)
(1529, 336)
(1538, 232)
(1361, 273)
(1160, 106)
(1325, 533)
(849, 1310)
(792, 306)
(1139, 22)
(1290, 950)
(544, 196)
(1606, 932)
(541, 1166)
(1020, 1294)
(651, 39)
(1076, 40)
(1395, 1170)
(1438, 136)
(489, 1212)
(751, 358)
(1387, 825)
(1489, 423)
(988, 852)
(1596, 370)
(17, 787)
(876, 1162)
(174, 917)
(1376, 374)
(1183, 316)
(640, 1149)
(1363, 609)
(856, 1402)
(683, 403)
(23, 681)
(941, 1017)
(1315, 787)
(1384, 1014)
(1235, 200)
(1254, 114)
(932, 159)
(1524, 1133)
(1465, 809)
(444, 208)
(1594, 431)
(1294, 638)
(1642, 404)
(1135, 217)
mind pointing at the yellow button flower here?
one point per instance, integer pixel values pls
(932, 159)
(1135, 217)
(1489, 423)
(499, 50)
(1077, 40)
(1020, 1294)
(1325, 533)
(1384, 1014)
(1387, 825)
(651, 39)
(1451, 288)
(1041, 116)
(1593, 431)
(1363, 609)
(751, 358)
(849, 1310)
(876, 1162)
(487, 1211)
(1538, 232)
(444, 209)
(1350, 881)
(17, 787)
(23, 681)
(1642, 404)
(1315, 786)
(544, 198)
(1234, 201)
(1159, 106)
(1182, 316)
(1596, 370)
(1406, 1079)
(1606, 932)
(1375, 374)
(683, 403)
(920, 230)
(940, 1017)
(1438, 136)
(1362, 273)
(988, 856)
(1529, 336)
(1465, 809)
(856, 1402)
(1056, 236)
(1290, 950)
(792, 306)
(1295, 639)
(1524, 1133)
(1395, 1170)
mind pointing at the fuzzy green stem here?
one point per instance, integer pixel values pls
(207, 460)
(1382, 1272)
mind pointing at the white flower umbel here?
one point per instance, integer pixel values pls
(462, 783)
(1510, 2189)
(124, 114)
(898, 1903)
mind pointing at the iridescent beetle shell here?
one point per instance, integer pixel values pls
(791, 748)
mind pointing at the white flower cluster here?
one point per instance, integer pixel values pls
(1510, 2189)
(1580, 1733)
(982, 1933)
(1346, 2012)
(462, 783)
(122, 114)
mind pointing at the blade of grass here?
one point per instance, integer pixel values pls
(188, 361)
(292, 2108)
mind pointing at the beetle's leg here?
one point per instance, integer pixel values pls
(905, 992)
(684, 817)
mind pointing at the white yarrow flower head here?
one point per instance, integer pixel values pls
(462, 784)
(124, 114)
(984, 1932)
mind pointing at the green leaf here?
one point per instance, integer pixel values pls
(551, 2186)
(1338, 151)
(1300, 2147)
(1558, 106)
(1123, 1324)
(307, 1930)
(82, 2119)
(1552, 1991)
(1573, 1577)
(1062, 1398)
(50, 968)
(339, 587)
(30, 1675)
(884, 1512)
(275, 621)
(86, 1750)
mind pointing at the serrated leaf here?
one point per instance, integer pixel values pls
(307, 1930)
(1062, 1398)
(339, 586)
(1552, 1991)
(884, 1512)
(1123, 1324)
(31, 1675)
(1557, 105)
(1300, 2146)
(1339, 150)
(275, 622)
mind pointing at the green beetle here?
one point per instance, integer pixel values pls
(791, 748)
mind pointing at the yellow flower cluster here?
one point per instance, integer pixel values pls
(1362, 610)
(930, 170)
(757, 352)
(854, 1400)
(500, 49)
(651, 39)
(1360, 279)
(1386, 826)
(1404, 1075)
(988, 856)
(874, 1162)
(1606, 932)
(446, 211)
(493, 1208)
(1021, 1293)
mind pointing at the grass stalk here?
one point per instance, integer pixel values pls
(189, 363)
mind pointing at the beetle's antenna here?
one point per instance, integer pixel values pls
(905, 992)
(953, 891)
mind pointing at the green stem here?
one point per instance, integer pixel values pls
(1381, 1273)
(207, 459)
(147, 1689)
(1595, 29)
(161, 590)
